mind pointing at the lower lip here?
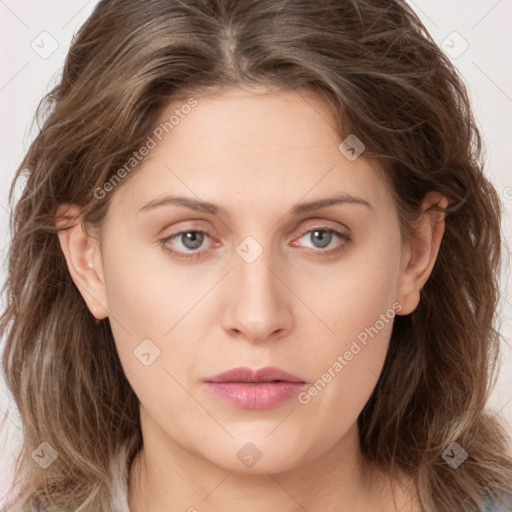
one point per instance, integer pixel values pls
(255, 396)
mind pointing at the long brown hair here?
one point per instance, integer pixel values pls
(389, 84)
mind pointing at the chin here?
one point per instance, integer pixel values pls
(260, 456)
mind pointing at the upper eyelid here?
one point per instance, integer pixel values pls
(313, 223)
(325, 227)
(316, 225)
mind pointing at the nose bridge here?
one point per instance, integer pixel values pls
(258, 305)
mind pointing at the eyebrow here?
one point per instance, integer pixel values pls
(204, 207)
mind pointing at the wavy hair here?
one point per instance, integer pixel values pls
(386, 81)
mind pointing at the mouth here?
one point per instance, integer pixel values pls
(255, 389)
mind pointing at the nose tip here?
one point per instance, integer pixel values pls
(258, 306)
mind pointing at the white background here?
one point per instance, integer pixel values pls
(27, 71)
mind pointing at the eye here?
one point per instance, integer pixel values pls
(321, 237)
(191, 240)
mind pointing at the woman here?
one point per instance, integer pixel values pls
(254, 267)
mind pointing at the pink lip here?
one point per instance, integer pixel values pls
(255, 389)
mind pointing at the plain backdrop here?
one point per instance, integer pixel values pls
(35, 37)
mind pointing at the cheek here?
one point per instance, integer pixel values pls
(147, 295)
(359, 307)
(153, 319)
(360, 289)
(347, 367)
(143, 304)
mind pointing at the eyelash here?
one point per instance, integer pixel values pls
(197, 254)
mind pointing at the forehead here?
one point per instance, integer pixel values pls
(240, 119)
(249, 147)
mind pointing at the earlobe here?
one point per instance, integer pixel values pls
(83, 258)
(420, 252)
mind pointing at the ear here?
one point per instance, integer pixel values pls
(83, 257)
(420, 251)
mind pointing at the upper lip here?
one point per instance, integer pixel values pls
(244, 374)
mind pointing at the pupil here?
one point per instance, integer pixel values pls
(195, 239)
(324, 239)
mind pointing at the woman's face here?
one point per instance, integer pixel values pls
(256, 280)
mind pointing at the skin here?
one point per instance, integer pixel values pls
(256, 153)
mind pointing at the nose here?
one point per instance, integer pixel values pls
(259, 304)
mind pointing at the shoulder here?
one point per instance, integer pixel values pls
(492, 506)
(495, 508)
